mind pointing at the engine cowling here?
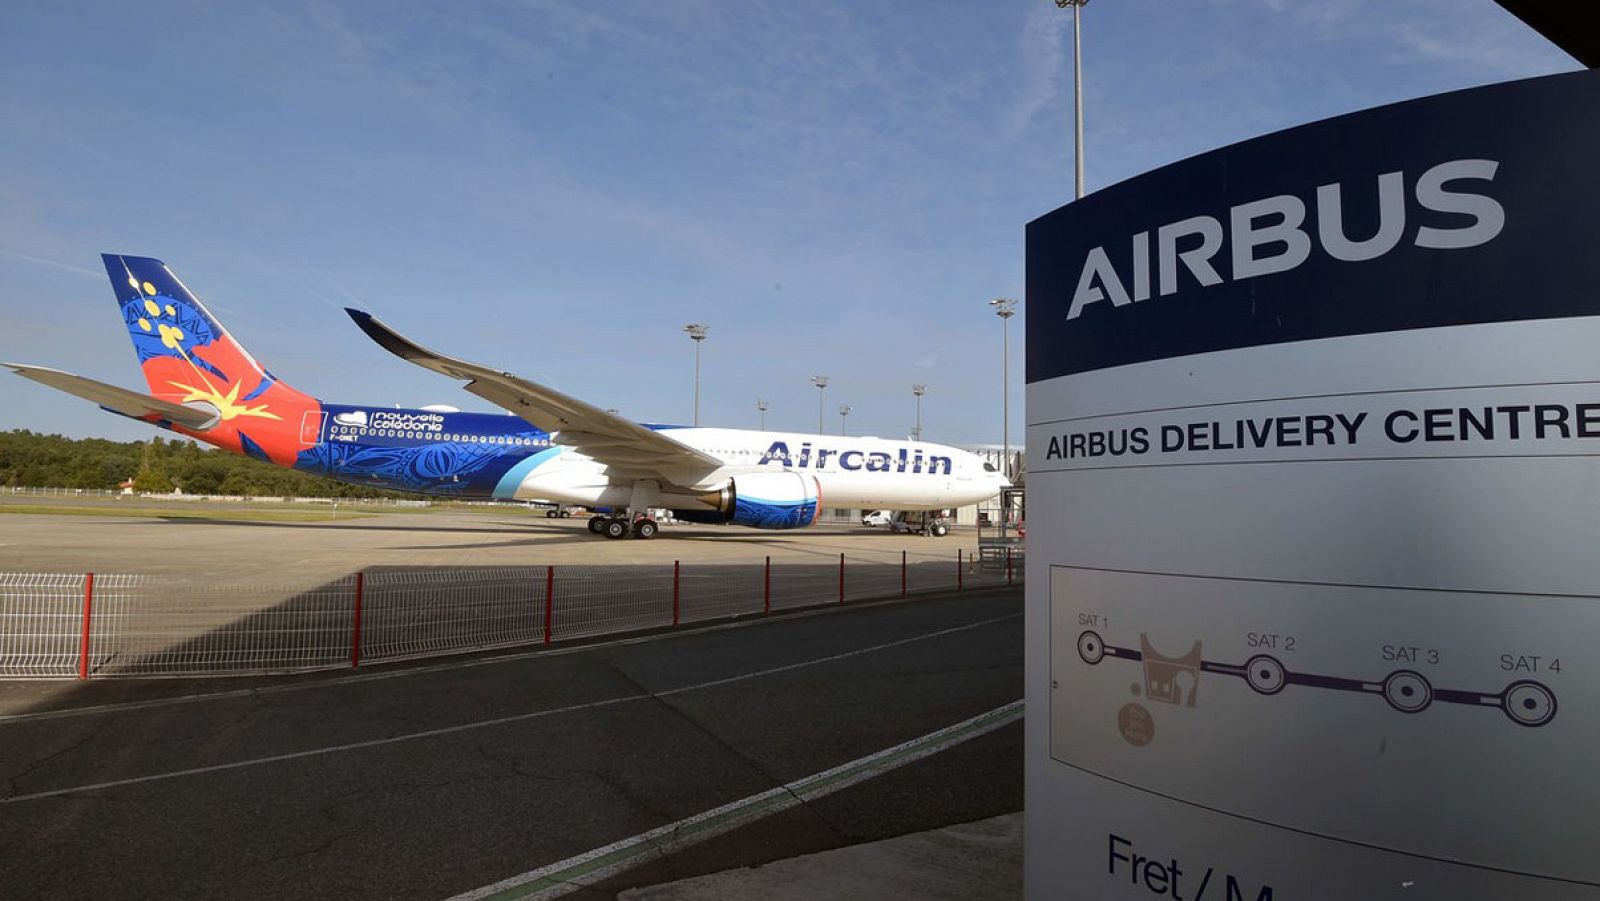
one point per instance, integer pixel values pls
(762, 500)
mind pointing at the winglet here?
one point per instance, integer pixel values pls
(587, 426)
(408, 350)
(386, 338)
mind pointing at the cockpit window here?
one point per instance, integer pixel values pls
(989, 467)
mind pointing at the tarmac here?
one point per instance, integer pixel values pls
(297, 542)
(431, 779)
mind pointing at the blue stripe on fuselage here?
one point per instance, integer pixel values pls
(506, 488)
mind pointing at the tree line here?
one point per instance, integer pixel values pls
(32, 460)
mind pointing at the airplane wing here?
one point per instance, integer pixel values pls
(628, 448)
(117, 400)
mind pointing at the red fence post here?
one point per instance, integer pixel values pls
(960, 584)
(88, 613)
(549, 601)
(766, 588)
(675, 592)
(355, 630)
(1008, 566)
(841, 578)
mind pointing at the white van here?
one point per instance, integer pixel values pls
(878, 518)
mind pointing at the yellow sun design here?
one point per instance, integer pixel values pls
(172, 337)
(227, 405)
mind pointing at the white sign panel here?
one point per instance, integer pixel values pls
(1314, 491)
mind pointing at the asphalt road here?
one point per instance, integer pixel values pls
(427, 781)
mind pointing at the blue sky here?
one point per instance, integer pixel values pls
(557, 188)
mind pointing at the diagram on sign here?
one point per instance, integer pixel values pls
(1176, 680)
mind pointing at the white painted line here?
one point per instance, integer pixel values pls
(485, 724)
(590, 867)
(447, 666)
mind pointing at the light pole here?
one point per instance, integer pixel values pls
(821, 381)
(697, 331)
(1005, 308)
(918, 390)
(761, 405)
(844, 410)
(1077, 87)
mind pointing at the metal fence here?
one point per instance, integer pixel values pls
(60, 492)
(230, 498)
(89, 625)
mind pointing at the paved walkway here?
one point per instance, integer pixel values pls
(967, 862)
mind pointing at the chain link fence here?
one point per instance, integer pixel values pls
(85, 625)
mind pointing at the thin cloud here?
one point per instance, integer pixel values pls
(54, 264)
(1511, 54)
(1044, 51)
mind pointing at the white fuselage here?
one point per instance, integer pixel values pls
(850, 471)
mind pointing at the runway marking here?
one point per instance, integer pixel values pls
(575, 873)
(499, 721)
(542, 651)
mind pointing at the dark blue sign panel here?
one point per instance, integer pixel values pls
(1307, 583)
(1441, 211)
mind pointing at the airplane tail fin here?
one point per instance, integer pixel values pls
(188, 358)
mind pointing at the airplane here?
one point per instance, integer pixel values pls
(205, 385)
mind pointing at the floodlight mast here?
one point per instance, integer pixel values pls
(918, 390)
(696, 331)
(761, 406)
(821, 381)
(844, 410)
(1005, 308)
(1077, 89)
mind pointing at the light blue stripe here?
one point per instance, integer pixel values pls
(506, 488)
(770, 503)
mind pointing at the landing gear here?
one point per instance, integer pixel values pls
(619, 527)
(633, 519)
(939, 529)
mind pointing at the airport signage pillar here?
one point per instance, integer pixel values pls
(1314, 471)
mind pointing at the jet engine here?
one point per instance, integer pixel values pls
(762, 500)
